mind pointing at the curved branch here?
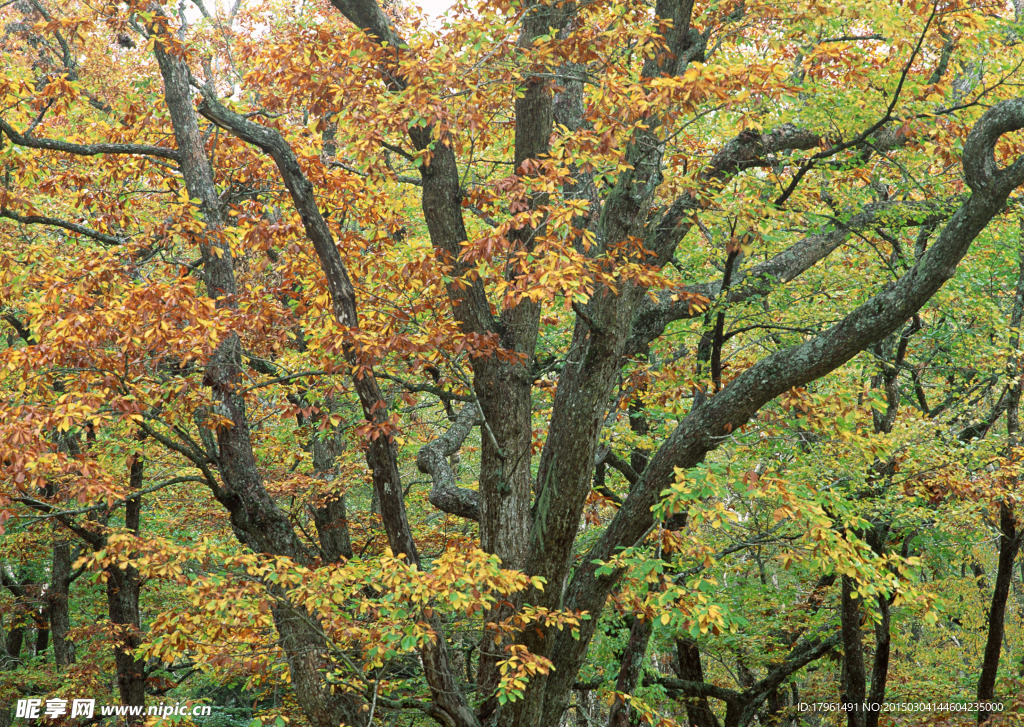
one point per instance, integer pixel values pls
(616, 462)
(23, 331)
(865, 135)
(33, 142)
(432, 459)
(89, 536)
(63, 224)
(746, 151)
(441, 393)
(690, 688)
(52, 512)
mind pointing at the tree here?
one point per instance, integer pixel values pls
(214, 266)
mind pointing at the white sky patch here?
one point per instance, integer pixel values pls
(434, 8)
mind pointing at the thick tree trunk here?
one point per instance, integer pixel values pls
(302, 643)
(505, 390)
(506, 486)
(331, 520)
(13, 642)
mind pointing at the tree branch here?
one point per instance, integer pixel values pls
(64, 225)
(432, 459)
(33, 142)
(707, 426)
(652, 318)
(54, 513)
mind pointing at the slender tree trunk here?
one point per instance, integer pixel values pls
(876, 538)
(15, 642)
(854, 676)
(1009, 544)
(621, 714)
(57, 604)
(330, 518)
(123, 586)
(690, 668)
(42, 640)
(123, 608)
(1009, 536)
(880, 666)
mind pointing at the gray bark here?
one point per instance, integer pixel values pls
(255, 517)
(707, 426)
(57, 604)
(432, 459)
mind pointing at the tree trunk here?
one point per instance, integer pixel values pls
(302, 643)
(854, 676)
(330, 518)
(123, 586)
(880, 666)
(632, 661)
(1009, 537)
(506, 486)
(15, 642)
(689, 667)
(42, 640)
(1009, 544)
(57, 604)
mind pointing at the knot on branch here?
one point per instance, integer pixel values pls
(981, 170)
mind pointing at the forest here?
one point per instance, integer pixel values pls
(535, 363)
